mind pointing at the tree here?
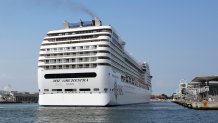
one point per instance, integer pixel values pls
(164, 96)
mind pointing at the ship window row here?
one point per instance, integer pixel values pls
(73, 42)
(133, 69)
(73, 54)
(123, 64)
(75, 66)
(117, 51)
(124, 69)
(133, 65)
(128, 60)
(129, 64)
(115, 35)
(74, 90)
(133, 81)
(116, 43)
(132, 61)
(78, 37)
(80, 32)
(103, 45)
(121, 67)
(88, 47)
(129, 81)
(72, 38)
(60, 49)
(86, 59)
(117, 62)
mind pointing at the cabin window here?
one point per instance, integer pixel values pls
(84, 89)
(56, 89)
(46, 90)
(70, 90)
(96, 89)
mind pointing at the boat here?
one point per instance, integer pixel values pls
(86, 64)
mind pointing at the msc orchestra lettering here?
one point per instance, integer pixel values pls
(71, 80)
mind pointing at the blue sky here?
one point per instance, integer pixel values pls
(179, 39)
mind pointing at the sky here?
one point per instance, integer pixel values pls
(178, 38)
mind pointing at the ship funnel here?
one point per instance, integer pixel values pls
(66, 25)
(97, 22)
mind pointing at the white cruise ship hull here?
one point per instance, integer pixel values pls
(117, 93)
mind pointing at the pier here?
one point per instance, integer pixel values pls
(203, 105)
(201, 93)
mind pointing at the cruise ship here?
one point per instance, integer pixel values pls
(86, 64)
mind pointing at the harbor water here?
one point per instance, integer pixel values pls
(154, 112)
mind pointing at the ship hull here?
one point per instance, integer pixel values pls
(110, 89)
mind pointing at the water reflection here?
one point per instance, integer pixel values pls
(151, 113)
(128, 113)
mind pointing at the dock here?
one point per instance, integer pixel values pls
(203, 105)
(200, 94)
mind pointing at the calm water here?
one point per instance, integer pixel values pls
(141, 113)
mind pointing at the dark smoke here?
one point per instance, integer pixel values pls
(69, 4)
(78, 7)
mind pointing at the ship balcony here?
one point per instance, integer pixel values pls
(103, 48)
(72, 56)
(78, 45)
(103, 61)
(65, 41)
(83, 35)
(47, 42)
(68, 51)
(62, 63)
(90, 61)
(76, 51)
(103, 37)
(42, 52)
(50, 40)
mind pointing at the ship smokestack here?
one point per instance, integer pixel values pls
(97, 22)
(66, 25)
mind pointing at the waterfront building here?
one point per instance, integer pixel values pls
(182, 90)
(204, 87)
(202, 93)
(8, 95)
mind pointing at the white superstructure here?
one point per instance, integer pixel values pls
(85, 64)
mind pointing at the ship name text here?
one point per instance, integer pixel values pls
(70, 80)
